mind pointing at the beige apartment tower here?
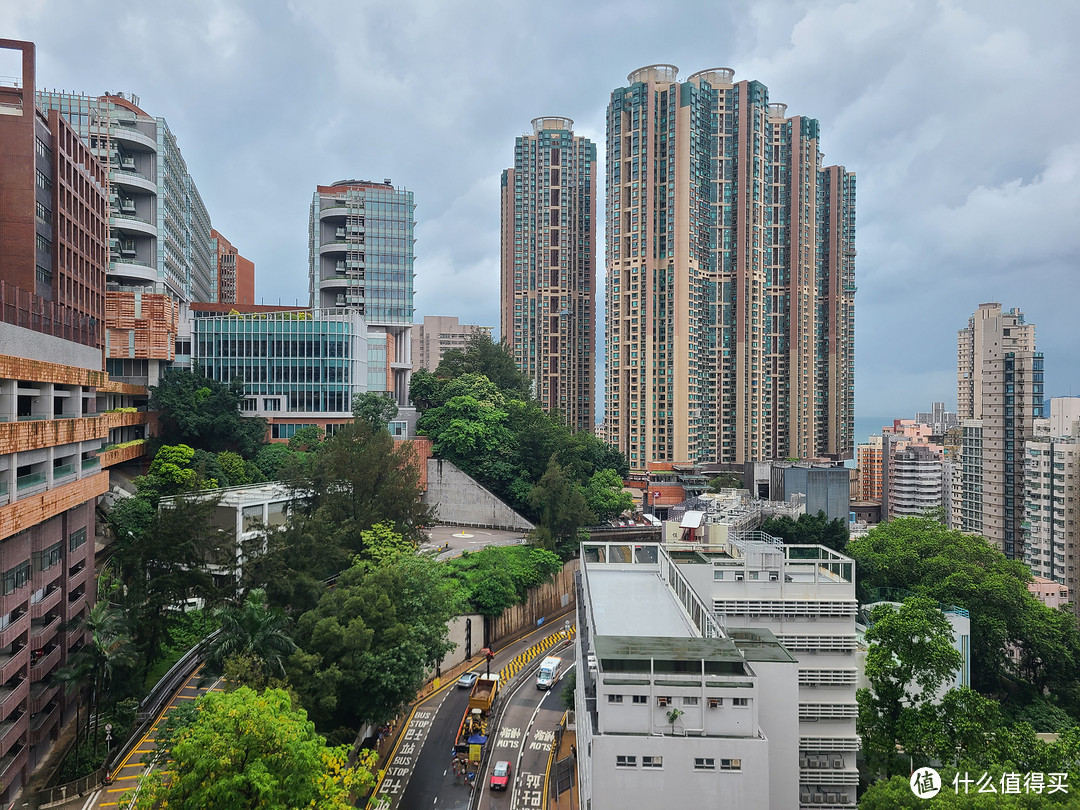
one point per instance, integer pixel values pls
(999, 392)
(730, 276)
(439, 334)
(548, 266)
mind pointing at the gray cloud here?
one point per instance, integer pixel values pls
(955, 114)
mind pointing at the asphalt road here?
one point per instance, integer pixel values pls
(524, 737)
(419, 776)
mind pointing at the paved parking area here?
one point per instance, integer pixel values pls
(452, 540)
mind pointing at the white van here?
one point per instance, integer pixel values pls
(549, 671)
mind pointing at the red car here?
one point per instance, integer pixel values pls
(500, 775)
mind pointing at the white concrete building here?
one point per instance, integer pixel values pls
(805, 595)
(249, 513)
(1051, 502)
(678, 711)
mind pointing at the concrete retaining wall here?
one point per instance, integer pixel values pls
(461, 501)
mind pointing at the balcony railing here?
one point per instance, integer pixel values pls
(21, 308)
(27, 481)
(63, 471)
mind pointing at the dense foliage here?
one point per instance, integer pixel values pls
(479, 413)
(245, 749)
(200, 412)
(922, 556)
(809, 530)
(368, 645)
(498, 577)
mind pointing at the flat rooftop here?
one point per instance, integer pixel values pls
(635, 603)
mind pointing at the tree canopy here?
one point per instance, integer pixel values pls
(497, 577)
(241, 749)
(809, 530)
(366, 647)
(922, 556)
(911, 657)
(203, 413)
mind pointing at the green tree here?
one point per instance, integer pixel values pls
(236, 470)
(377, 409)
(307, 439)
(562, 510)
(922, 556)
(168, 563)
(381, 543)
(367, 647)
(361, 477)
(809, 530)
(606, 497)
(205, 414)
(725, 481)
(255, 631)
(171, 473)
(242, 749)
(498, 577)
(482, 355)
(274, 460)
(910, 658)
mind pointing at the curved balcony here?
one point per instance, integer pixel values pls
(130, 181)
(41, 693)
(130, 224)
(42, 630)
(12, 730)
(334, 211)
(142, 272)
(129, 136)
(12, 762)
(12, 663)
(329, 248)
(44, 662)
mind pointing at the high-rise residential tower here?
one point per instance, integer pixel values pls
(730, 276)
(360, 238)
(1051, 520)
(999, 394)
(548, 300)
(989, 334)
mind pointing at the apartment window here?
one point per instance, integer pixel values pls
(614, 698)
(731, 764)
(43, 244)
(17, 577)
(76, 539)
(740, 701)
(689, 701)
(44, 560)
(652, 762)
(716, 703)
(704, 764)
(43, 213)
(44, 275)
(663, 701)
(625, 761)
(641, 699)
(43, 181)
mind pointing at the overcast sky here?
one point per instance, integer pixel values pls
(960, 119)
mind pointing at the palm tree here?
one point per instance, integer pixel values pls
(255, 631)
(108, 650)
(75, 677)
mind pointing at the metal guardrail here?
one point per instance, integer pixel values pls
(149, 709)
